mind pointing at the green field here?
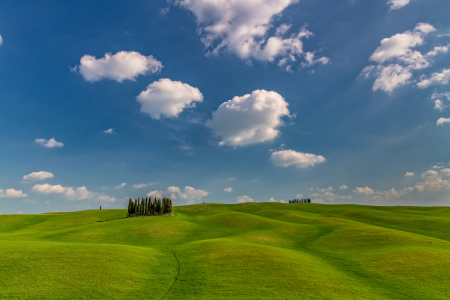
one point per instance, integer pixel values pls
(239, 251)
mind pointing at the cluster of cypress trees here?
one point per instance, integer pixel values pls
(300, 201)
(147, 207)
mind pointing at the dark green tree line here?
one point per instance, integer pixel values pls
(300, 201)
(148, 207)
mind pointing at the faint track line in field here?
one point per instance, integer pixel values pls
(178, 274)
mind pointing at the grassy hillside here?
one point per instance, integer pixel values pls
(242, 251)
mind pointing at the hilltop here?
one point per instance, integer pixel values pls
(240, 251)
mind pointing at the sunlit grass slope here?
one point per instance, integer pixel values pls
(242, 251)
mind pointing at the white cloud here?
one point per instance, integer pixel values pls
(250, 119)
(49, 143)
(439, 105)
(285, 158)
(155, 194)
(328, 189)
(435, 79)
(437, 50)
(400, 44)
(120, 66)
(47, 189)
(244, 199)
(168, 98)
(434, 181)
(1, 40)
(343, 187)
(271, 200)
(392, 193)
(409, 174)
(397, 50)
(193, 194)
(391, 77)
(80, 193)
(110, 131)
(122, 185)
(366, 191)
(326, 194)
(105, 198)
(228, 190)
(299, 196)
(241, 27)
(230, 179)
(11, 193)
(188, 193)
(142, 185)
(395, 4)
(442, 121)
(437, 167)
(41, 175)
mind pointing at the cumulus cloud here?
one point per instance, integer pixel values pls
(120, 66)
(409, 174)
(435, 79)
(395, 4)
(41, 175)
(438, 100)
(364, 191)
(244, 199)
(189, 193)
(80, 193)
(391, 77)
(241, 27)
(326, 194)
(328, 189)
(396, 60)
(393, 193)
(442, 121)
(141, 185)
(434, 181)
(104, 198)
(122, 185)
(168, 98)
(250, 119)
(11, 193)
(155, 194)
(285, 158)
(49, 143)
(298, 196)
(110, 131)
(343, 187)
(228, 190)
(437, 50)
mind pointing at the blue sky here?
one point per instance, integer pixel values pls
(223, 101)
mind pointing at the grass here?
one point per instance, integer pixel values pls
(241, 251)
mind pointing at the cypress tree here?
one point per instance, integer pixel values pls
(146, 206)
(152, 208)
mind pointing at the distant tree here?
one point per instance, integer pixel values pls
(100, 207)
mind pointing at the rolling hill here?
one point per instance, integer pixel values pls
(237, 251)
